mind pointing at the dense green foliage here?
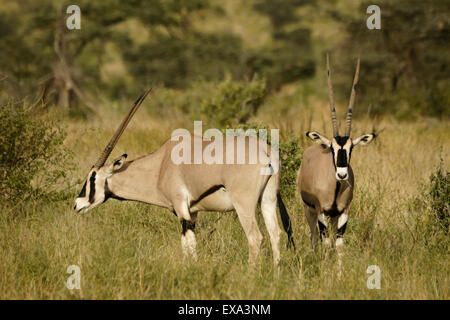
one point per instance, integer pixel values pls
(289, 57)
(31, 155)
(234, 103)
(406, 63)
(291, 158)
(123, 47)
(438, 196)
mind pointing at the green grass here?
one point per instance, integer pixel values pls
(130, 250)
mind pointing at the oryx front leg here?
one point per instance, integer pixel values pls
(269, 212)
(323, 229)
(188, 241)
(339, 226)
(312, 218)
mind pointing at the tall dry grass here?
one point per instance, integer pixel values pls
(132, 251)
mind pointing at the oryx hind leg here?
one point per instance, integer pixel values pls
(245, 209)
(245, 194)
(269, 212)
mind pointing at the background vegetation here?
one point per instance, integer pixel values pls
(245, 64)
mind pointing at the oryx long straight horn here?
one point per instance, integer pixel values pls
(332, 107)
(109, 148)
(348, 121)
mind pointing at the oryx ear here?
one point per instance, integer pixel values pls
(117, 163)
(317, 137)
(364, 139)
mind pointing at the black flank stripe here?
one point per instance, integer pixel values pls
(205, 194)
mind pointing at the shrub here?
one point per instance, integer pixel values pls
(234, 103)
(438, 196)
(31, 154)
(291, 158)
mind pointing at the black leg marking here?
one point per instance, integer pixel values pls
(322, 230)
(340, 232)
(187, 225)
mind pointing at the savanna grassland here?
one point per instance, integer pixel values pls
(132, 251)
(230, 64)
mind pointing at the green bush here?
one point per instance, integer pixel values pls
(291, 158)
(31, 155)
(234, 102)
(439, 197)
(177, 61)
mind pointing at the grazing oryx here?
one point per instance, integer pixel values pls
(186, 189)
(325, 179)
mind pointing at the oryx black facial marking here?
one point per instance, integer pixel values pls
(341, 141)
(83, 191)
(341, 147)
(341, 156)
(341, 160)
(92, 187)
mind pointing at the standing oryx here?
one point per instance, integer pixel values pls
(325, 179)
(186, 189)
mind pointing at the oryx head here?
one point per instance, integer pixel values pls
(341, 146)
(95, 189)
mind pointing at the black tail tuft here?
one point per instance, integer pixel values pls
(286, 221)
